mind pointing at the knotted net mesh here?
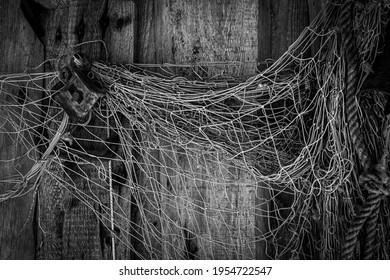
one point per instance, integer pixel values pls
(214, 167)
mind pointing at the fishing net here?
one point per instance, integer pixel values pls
(191, 162)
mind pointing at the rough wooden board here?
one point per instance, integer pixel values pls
(77, 22)
(315, 7)
(68, 26)
(50, 213)
(265, 34)
(162, 24)
(147, 224)
(289, 18)
(81, 232)
(117, 23)
(281, 24)
(188, 32)
(119, 35)
(229, 211)
(147, 38)
(83, 26)
(262, 198)
(19, 50)
(211, 31)
(182, 202)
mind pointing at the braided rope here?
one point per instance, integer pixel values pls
(368, 213)
(376, 184)
(357, 225)
(351, 88)
(378, 190)
(370, 229)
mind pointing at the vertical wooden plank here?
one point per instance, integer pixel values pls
(280, 24)
(117, 23)
(145, 32)
(265, 33)
(262, 200)
(315, 7)
(81, 232)
(69, 25)
(66, 26)
(146, 219)
(290, 18)
(193, 32)
(50, 213)
(51, 209)
(83, 26)
(19, 50)
(118, 30)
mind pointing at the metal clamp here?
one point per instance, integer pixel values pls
(79, 94)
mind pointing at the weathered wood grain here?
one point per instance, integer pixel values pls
(155, 31)
(19, 50)
(65, 27)
(119, 33)
(289, 19)
(117, 23)
(280, 24)
(200, 224)
(265, 34)
(87, 24)
(190, 32)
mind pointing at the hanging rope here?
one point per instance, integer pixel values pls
(369, 180)
(351, 83)
(377, 186)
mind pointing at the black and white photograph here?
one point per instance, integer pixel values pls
(160, 136)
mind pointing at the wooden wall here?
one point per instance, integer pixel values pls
(150, 31)
(19, 49)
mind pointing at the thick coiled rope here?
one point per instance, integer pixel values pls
(372, 178)
(376, 183)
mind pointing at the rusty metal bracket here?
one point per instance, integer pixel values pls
(79, 94)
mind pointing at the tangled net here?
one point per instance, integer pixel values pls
(209, 168)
